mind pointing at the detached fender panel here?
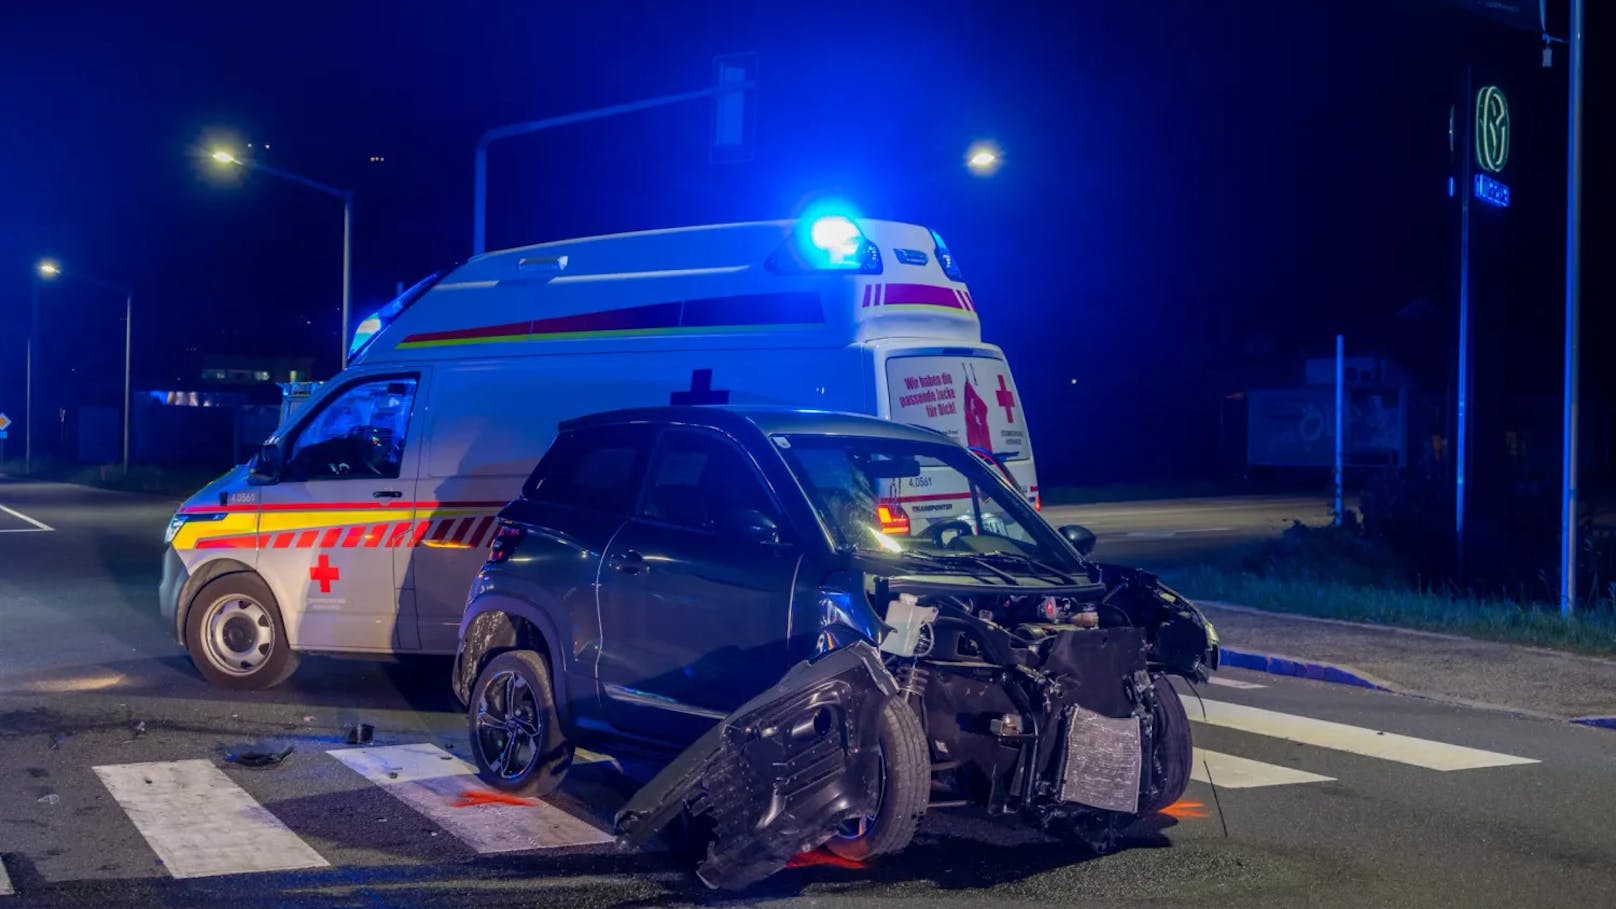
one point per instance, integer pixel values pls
(778, 775)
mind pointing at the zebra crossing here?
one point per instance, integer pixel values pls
(200, 821)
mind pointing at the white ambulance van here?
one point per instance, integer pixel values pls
(360, 525)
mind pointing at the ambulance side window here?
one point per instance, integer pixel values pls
(357, 434)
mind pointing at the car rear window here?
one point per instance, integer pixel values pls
(598, 469)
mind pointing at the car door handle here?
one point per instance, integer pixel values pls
(387, 494)
(628, 562)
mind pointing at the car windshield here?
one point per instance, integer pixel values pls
(927, 500)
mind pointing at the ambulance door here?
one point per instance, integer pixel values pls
(344, 505)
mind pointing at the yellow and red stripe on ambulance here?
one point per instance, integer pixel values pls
(341, 525)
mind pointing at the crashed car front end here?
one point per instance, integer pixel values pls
(1044, 701)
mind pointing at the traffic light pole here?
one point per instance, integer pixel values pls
(479, 216)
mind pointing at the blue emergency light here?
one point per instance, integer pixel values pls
(830, 242)
(372, 325)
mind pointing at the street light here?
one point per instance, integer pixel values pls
(983, 158)
(50, 270)
(226, 157)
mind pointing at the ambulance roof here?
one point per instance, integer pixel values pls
(750, 283)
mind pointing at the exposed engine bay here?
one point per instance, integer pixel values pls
(1052, 705)
(1047, 701)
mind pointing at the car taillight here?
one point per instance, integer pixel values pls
(1037, 501)
(893, 518)
(505, 543)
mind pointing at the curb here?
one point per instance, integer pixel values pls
(1305, 669)
(1600, 722)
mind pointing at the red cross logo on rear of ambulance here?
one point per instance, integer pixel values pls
(324, 573)
(1007, 400)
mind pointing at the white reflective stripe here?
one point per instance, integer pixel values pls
(38, 525)
(431, 780)
(5, 882)
(1235, 683)
(200, 823)
(1389, 746)
(1230, 772)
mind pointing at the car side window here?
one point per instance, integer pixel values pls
(357, 434)
(599, 469)
(699, 478)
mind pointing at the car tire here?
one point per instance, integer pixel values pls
(905, 789)
(1172, 753)
(235, 635)
(515, 730)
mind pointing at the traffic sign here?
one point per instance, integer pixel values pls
(5, 421)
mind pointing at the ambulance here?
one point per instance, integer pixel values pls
(360, 524)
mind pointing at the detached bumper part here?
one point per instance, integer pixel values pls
(776, 777)
(1102, 760)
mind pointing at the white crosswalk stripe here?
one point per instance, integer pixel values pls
(1235, 683)
(1388, 746)
(1231, 772)
(200, 823)
(432, 781)
(5, 882)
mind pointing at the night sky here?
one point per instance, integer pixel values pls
(1195, 196)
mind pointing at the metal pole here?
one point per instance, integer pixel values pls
(1573, 304)
(479, 196)
(1461, 446)
(128, 353)
(479, 203)
(28, 393)
(1340, 409)
(347, 273)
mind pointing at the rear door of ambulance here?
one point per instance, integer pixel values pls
(969, 394)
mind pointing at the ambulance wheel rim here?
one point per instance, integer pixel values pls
(239, 634)
(510, 726)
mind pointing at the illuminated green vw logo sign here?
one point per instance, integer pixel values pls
(1492, 129)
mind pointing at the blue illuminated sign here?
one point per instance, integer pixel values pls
(1491, 191)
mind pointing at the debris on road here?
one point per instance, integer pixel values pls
(473, 797)
(139, 729)
(57, 740)
(255, 757)
(50, 799)
(774, 779)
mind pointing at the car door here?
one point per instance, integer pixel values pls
(342, 507)
(694, 608)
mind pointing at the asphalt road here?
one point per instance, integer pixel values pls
(114, 787)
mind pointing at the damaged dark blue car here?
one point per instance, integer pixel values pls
(745, 589)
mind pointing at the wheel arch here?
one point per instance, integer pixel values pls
(205, 574)
(496, 624)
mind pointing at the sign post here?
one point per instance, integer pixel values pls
(1340, 416)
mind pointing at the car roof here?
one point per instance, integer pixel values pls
(767, 420)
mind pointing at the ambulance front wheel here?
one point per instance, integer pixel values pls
(235, 635)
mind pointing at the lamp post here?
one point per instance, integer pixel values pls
(49, 271)
(983, 159)
(227, 158)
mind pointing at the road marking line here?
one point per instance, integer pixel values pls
(38, 525)
(1235, 683)
(430, 780)
(1231, 772)
(200, 823)
(5, 882)
(1389, 746)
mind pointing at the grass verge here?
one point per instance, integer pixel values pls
(1492, 619)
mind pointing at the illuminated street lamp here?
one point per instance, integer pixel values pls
(50, 270)
(983, 159)
(226, 157)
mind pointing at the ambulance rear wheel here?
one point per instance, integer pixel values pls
(235, 635)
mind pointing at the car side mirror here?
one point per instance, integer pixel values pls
(750, 525)
(1081, 538)
(265, 467)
